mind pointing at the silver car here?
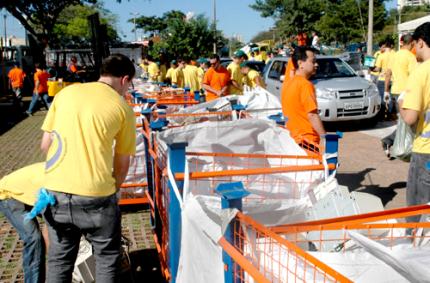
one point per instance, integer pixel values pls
(341, 94)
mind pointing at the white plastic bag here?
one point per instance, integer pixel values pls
(402, 147)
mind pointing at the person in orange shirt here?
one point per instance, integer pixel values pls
(16, 79)
(73, 66)
(298, 99)
(302, 38)
(40, 88)
(216, 79)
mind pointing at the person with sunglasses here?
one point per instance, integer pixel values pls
(216, 80)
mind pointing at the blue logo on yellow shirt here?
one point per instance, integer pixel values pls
(56, 151)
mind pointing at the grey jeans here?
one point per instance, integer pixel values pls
(418, 188)
(99, 220)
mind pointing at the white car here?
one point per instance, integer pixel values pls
(342, 94)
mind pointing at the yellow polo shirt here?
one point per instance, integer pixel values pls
(178, 77)
(23, 184)
(250, 78)
(191, 77)
(403, 63)
(383, 61)
(88, 123)
(417, 97)
(169, 72)
(153, 71)
(237, 76)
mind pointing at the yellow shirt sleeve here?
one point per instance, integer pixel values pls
(125, 140)
(414, 91)
(379, 60)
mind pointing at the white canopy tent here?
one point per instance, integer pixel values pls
(412, 25)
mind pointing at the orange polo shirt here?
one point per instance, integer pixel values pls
(42, 77)
(298, 98)
(216, 79)
(16, 76)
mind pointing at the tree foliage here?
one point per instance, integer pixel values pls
(181, 37)
(39, 16)
(72, 27)
(335, 20)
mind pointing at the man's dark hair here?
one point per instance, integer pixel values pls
(300, 54)
(389, 42)
(423, 32)
(214, 56)
(406, 38)
(117, 65)
(382, 42)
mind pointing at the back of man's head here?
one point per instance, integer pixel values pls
(300, 54)
(389, 42)
(406, 40)
(214, 56)
(117, 65)
(423, 32)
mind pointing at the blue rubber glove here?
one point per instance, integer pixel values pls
(44, 199)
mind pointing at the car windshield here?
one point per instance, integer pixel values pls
(333, 68)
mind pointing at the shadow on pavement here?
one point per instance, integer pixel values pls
(354, 183)
(11, 114)
(359, 125)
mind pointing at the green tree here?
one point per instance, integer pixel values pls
(346, 20)
(181, 37)
(72, 27)
(39, 16)
(334, 20)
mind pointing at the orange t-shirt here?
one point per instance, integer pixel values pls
(301, 39)
(42, 77)
(289, 69)
(298, 99)
(216, 79)
(73, 68)
(16, 76)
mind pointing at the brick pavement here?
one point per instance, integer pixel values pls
(19, 147)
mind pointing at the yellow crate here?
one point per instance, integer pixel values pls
(55, 86)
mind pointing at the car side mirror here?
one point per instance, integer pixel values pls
(282, 78)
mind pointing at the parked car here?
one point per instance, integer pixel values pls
(256, 65)
(341, 93)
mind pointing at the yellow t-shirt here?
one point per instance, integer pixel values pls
(84, 121)
(153, 71)
(23, 184)
(417, 97)
(250, 78)
(191, 77)
(383, 61)
(376, 55)
(178, 77)
(403, 63)
(169, 72)
(162, 75)
(201, 73)
(258, 57)
(237, 76)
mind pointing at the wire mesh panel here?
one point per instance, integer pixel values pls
(260, 255)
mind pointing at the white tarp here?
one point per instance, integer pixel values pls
(412, 25)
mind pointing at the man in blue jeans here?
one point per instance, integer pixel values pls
(18, 192)
(82, 173)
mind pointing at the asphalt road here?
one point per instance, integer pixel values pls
(364, 166)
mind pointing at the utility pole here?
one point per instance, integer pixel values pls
(134, 23)
(5, 34)
(370, 30)
(214, 25)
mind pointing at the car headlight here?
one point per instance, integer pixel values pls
(325, 93)
(372, 90)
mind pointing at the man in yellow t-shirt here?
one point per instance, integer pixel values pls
(178, 77)
(415, 110)
(191, 75)
(18, 192)
(381, 66)
(236, 86)
(381, 50)
(398, 71)
(82, 173)
(251, 77)
(153, 69)
(173, 66)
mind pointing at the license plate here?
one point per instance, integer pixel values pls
(353, 105)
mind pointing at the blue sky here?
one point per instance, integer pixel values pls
(233, 16)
